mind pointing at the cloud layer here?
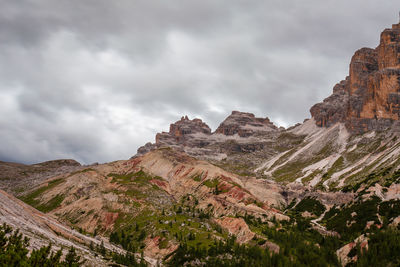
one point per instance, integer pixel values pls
(95, 79)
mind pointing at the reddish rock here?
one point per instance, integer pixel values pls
(109, 219)
(159, 183)
(237, 193)
(369, 99)
(179, 170)
(237, 227)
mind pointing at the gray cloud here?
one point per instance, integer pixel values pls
(93, 80)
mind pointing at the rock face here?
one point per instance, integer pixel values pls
(180, 129)
(369, 98)
(180, 134)
(244, 124)
(187, 134)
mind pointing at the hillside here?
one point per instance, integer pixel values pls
(42, 230)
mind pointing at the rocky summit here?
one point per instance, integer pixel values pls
(325, 192)
(244, 125)
(195, 137)
(369, 98)
(180, 133)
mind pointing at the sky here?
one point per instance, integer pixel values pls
(93, 80)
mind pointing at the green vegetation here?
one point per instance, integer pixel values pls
(393, 178)
(311, 205)
(182, 222)
(298, 247)
(389, 210)
(139, 177)
(211, 183)
(197, 177)
(32, 200)
(137, 185)
(383, 250)
(148, 214)
(362, 150)
(350, 221)
(51, 204)
(14, 252)
(384, 175)
(127, 260)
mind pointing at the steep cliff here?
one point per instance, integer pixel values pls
(369, 98)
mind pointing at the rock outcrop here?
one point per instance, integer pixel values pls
(369, 98)
(245, 124)
(180, 129)
(237, 227)
(195, 137)
(181, 133)
(343, 252)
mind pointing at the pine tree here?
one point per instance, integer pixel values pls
(72, 259)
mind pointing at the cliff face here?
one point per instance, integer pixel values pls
(369, 98)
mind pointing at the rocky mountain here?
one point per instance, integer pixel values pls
(369, 98)
(351, 135)
(244, 125)
(325, 192)
(195, 138)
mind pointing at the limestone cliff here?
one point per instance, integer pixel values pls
(369, 98)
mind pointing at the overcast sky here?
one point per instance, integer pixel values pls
(95, 79)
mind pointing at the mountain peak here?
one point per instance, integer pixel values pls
(194, 136)
(369, 98)
(245, 124)
(180, 129)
